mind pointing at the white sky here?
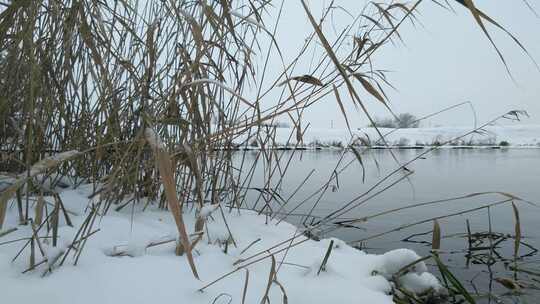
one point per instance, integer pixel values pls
(445, 61)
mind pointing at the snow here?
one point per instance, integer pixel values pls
(51, 161)
(417, 282)
(207, 210)
(515, 135)
(146, 273)
(395, 260)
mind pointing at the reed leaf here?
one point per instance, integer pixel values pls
(164, 163)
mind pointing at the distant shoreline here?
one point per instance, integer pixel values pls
(331, 148)
(491, 137)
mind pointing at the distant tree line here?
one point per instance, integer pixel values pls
(404, 120)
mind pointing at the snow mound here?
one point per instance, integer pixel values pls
(420, 283)
(207, 210)
(395, 260)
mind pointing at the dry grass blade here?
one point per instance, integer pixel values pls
(509, 283)
(246, 282)
(6, 195)
(517, 230)
(7, 231)
(478, 18)
(305, 79)
(285, 299)
(436, 239)
(165, 170)
(359, 158)
(341, 107)
(221, 85)
(484, 16)
(326, 257)
(271, 276)
(469, 235)
(370, 88)
(194, 166)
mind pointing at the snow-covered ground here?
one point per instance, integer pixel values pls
(514, 135)
(156, 275)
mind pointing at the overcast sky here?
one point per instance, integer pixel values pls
(445, 61)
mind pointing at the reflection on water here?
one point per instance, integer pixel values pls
(441, 174)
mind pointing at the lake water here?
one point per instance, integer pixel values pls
(442, 174)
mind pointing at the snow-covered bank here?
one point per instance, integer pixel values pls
(511, 136)
(118, 265)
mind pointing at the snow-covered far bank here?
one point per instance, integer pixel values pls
(524, 136)
(131, 259)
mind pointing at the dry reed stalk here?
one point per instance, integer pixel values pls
(326, 257)
(517, 230)
(436, 239)
(271, 276)
(517, 236)
(246, 282)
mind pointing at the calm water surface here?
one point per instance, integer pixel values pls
(441, 174)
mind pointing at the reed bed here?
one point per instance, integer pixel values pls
(152, 96)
